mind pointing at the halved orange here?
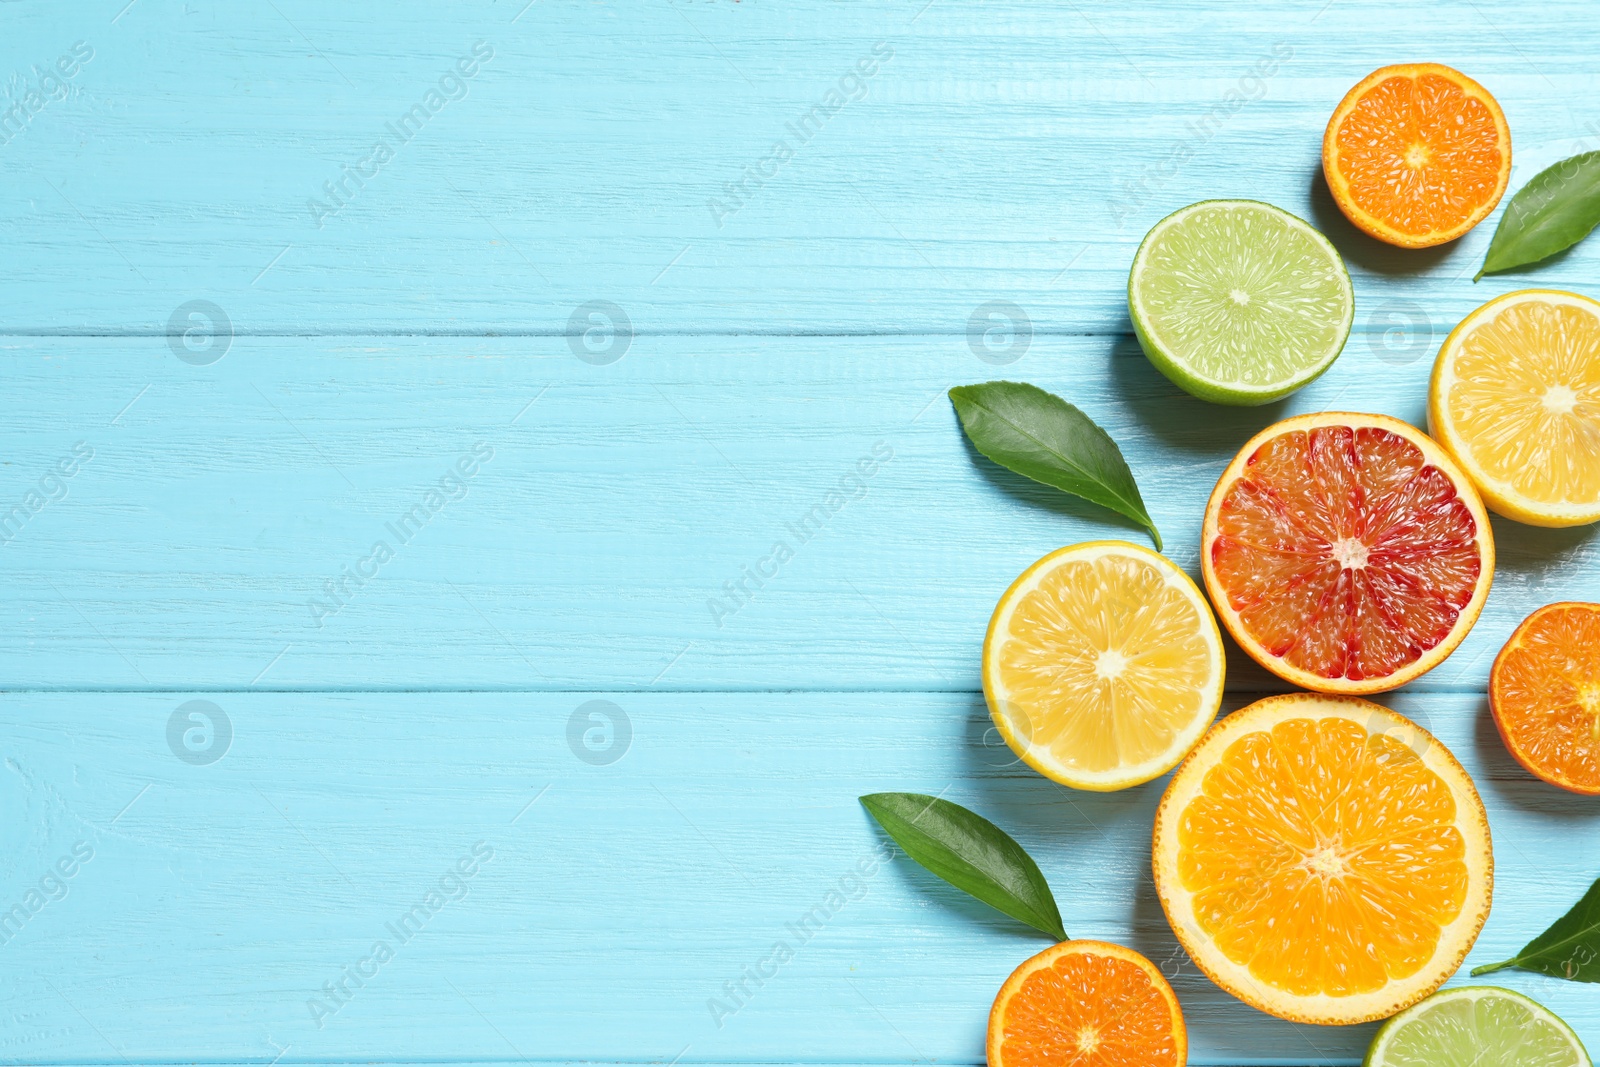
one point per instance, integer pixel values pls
(1088, 1004)
(1323, 859)
(1417, 154)
(1544, 690)
(1346, 553)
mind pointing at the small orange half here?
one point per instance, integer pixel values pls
(1089, 1004)
(1417, 154)
(1544, 691)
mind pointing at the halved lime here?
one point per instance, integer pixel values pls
(1477, 1026)
(1239, 302)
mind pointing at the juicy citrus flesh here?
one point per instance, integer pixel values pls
(1323, 859)
(1417, 154)
(1344, 555)
(1245, 298)
(1516, 398)
(1478, 1026)
(1103, 665)
(1545, 694)
(1088, 1004)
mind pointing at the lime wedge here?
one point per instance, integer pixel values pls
(1476, 1026)
(1239, 302)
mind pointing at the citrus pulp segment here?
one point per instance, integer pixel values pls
(1544, 692)
(1417, 154)
(1323, 859)
(1515, 398)
(1239, 302)
(1102, 665)
(1089, 1004)
(1346, 553)
(1477, 1026)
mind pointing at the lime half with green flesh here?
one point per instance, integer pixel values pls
(1239, 302)
(1477, 1026)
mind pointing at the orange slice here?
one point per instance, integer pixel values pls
(1544, 690)
(1346, 553)
(1087, 1004)
(1417, 154)
(1323, 859)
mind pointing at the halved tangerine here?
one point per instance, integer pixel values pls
(1089, 1004)
(1417, 154)
(1544, 690)
(1346, 553)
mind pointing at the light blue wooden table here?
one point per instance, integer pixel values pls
(576, 310)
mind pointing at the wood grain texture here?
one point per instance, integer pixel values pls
(1011, 151)
(599, 544)
(617, 905)
(408, 335)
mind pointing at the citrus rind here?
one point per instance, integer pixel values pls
(1338, 182)
(1501, 496)
(1012, 721)
(1456, 938)
(1436, 456)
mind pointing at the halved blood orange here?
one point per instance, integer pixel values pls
(1089, 1004)
(1417, 154)
(1544, 690)
(1346, 553)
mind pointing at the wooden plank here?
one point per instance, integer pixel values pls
(620, 896)
(1012, 151)
(622, 504)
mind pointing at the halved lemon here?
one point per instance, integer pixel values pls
(1102, 665)
(1515, 398)
(1323, 859)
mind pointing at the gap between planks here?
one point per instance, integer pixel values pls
(153, 334)
(134, 690)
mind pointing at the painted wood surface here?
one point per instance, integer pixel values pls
(1012, 151)
(611, 901)
(618, 536)
(613, 370)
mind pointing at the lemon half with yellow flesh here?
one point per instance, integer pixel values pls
(1515, 399)
(1103, 665)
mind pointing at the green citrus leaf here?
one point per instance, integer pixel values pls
(971, 853)
(1041, 436)
(1570, 949)
(1555, 210)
